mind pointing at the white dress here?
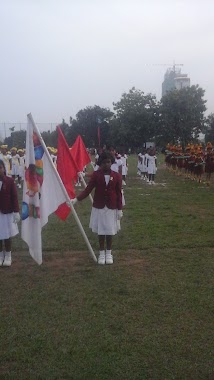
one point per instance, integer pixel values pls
(151, 164)
(124, 165)
(145, 161)
(115, 168)
(96, 167)
(104, 221)
(15, 165)
(144, 168)
(22, 167)
(7, 226)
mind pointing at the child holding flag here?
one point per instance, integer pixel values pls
(9, 214)
(107, 205)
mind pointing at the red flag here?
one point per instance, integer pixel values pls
(67, 170)
(80, 154)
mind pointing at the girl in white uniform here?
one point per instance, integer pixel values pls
(143, 167)
(124, 168)
(117, 167)
(139, 164)
(21, 165)
(107, 205)
(9, 215)
(152, 166)
(145, 162)
(6, 158)
(15, 163)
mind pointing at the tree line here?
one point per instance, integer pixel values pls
(137, 118)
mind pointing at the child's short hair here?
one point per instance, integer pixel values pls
(105, 156)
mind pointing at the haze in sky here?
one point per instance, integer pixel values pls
(58, 57)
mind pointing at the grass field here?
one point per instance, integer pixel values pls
(148, 316)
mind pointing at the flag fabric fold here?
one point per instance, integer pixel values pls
(80, 154)
(42, 192)
(67, 170)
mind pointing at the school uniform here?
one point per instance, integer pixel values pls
(116, 165)
(124, 165)
(15, 165)
(22, 167)
(8, 205)
(151, 164)
(6, 158)
(145, 162)
(107, 200)
(144, 168)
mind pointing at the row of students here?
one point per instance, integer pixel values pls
(14, 161)
(147, 165)
(192, 162)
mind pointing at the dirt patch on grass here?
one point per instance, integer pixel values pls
(73, 261)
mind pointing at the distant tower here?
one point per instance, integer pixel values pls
(174, 79)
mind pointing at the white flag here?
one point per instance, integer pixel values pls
(42, 193)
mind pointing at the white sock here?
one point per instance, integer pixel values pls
(102, 252)
(108, 252)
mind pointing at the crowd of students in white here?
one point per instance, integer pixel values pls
(147, 165)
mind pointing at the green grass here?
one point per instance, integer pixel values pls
(148, 316)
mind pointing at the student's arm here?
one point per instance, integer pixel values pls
(89, 188)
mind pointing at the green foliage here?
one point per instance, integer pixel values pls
(17, 139)
(209, 136)
(182, 115)
(136, 118)
(87, 122)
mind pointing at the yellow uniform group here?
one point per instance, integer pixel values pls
(14, 161)
(193, 162)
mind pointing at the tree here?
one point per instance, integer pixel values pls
(209, 128)
(87, 122)
(17, 139)
(182, 115)
(136, 119)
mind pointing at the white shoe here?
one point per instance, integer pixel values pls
(1, 257)
(153, 182)
(123, 183)
(7, 259)
(102, 258)
(19, 186)
(147, 181)
(150, 182)
(109, 258)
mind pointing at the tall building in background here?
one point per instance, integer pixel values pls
(174, 80)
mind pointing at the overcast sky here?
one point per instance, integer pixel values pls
(58, 57)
